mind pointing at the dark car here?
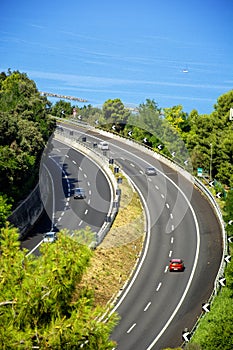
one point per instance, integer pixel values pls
(79, 193)
(150, 170)
(176, 265)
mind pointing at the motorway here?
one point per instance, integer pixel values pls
(157, 305)
(68, 169)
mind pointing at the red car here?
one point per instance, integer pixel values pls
(176, 265)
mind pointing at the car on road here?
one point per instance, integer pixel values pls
(150, 170)
(50, 237)
(103, 145)
(79, 193)
(176, 265)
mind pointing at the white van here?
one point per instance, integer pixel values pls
(103, 145)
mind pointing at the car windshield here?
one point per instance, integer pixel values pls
(50, 234)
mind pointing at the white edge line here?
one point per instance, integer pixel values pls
(142, 258)
(190, 278)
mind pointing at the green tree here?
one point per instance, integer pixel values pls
(24, 131)
(62, 109)
(114, 112)
(5, 209)
(42, 302)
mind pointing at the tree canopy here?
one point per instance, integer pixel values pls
(24, 131)
(42, 302)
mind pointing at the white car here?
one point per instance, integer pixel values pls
(103, 145)
(50, 237)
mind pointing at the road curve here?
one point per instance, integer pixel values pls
(160, 304)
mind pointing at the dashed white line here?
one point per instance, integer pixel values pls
(162, 195)
(74, 161)
(157, 188)
(130, 329)
(167, 205)
(166, 268)
(89, 201)
(132, 165)
(170, 253)
(80, 223)
(86, 211)
(85, 175)
(147, 306)
(62, 213)
(171, 216)
(173, 227)
(172, 240)
(88, 183)
(159, 286)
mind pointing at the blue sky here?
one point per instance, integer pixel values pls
(132, 50)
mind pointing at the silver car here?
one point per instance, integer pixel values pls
(150, 170)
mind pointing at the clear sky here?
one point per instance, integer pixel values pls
(127, 49)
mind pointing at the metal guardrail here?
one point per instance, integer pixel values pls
(72, 141)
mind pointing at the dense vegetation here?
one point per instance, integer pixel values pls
(42, 303)
(24, 131)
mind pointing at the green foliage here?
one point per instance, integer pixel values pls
(5, 209)
(37, 303)
(25, 127)
(62, 109)
(115, 113)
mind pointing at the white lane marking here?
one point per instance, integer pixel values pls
(88, 183)
(132, 165)
(173, 227)
(67, 203)
(85, 175)
(157, 187)
(171, 216)
(194, 266)
(166, 268)
(59, 219)
(62, 213)
(162, 195)
(167, 205)
(73, 161)
(172, 240)
(89, 192)
(86, 211)
(80, 168)
(66, 155)
(147, 306)
(89, 201)
(81, 221)
(159, 286)
(130, 329)
(141, 172)
(170, 253)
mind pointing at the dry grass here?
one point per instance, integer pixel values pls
(114, 260)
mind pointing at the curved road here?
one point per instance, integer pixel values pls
(160, 305)
(67, 170)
